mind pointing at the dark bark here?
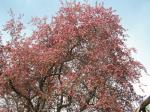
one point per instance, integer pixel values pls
(144, 104)
(61, 105)
(29, 103)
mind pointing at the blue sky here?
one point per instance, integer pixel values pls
(134, 14)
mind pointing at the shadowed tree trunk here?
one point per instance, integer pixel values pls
(142, 107)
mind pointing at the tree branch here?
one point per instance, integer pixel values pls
(20, 94)
(144, 104)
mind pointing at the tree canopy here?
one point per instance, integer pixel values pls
(78, 62)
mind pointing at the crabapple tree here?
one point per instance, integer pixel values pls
(78, 62)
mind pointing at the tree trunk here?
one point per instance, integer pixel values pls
(142, 107)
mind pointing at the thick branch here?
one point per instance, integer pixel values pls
(61, 105)
(20, 94)
(144, 104)
(91, 95)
